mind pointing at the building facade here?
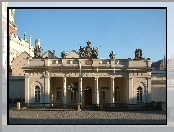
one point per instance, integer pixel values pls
(17, 44)
(81, 77)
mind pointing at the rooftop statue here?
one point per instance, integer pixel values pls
(89, 44)
(95, 52)
(112, 55)
(64, 54)
(138, 54)
(88, 52)
(37, 52)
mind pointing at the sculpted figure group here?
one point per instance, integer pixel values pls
(138, 54)
(37, 51)
(112, 55)
(88, 52)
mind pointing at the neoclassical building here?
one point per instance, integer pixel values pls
(82, 77)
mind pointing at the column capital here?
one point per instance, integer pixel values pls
(96, 78)
(27, 75)
(47, 76)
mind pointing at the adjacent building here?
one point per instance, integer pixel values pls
(17, 44)
(160, 65)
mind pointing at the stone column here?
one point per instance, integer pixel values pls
(64, 91)
(96, 91)
(149, 89)
(47, 90)
(112, 90)
(27, 87)
(80, 91)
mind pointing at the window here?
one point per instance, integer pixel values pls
(117, 94)
(73, 95)
(37, 94)
(139, 94)
(58, 93)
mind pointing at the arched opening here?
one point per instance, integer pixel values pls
(37, 93)
(139, 94)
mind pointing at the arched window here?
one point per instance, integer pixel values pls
(139, 94)
(117, 94)
(37, 94)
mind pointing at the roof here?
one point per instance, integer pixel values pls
(20, 55)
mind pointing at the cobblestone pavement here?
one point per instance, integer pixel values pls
(86, 117)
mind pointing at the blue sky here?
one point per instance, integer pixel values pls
(120, 30)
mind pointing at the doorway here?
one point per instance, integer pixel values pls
(88, 96)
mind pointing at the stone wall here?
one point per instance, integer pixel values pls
(16, 87)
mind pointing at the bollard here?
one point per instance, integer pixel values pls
(18, 106)
(78, 107)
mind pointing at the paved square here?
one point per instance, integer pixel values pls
(87, 117)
